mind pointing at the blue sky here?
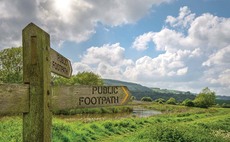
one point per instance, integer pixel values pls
(173, 44)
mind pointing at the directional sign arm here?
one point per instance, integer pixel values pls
(67, 97)
(60, 65)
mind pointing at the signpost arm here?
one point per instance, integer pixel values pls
(36, 72)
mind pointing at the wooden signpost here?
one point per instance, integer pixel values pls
(36, 98)
(36, 73)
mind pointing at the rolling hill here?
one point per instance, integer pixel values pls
(139, 91)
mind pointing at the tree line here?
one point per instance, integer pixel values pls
(206, 98)
(11, 71)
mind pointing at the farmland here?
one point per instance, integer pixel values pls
(176, 123)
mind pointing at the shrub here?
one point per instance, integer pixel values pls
(224, 105)
(188, 103)
(171, 101)
(146, 99)
(160, 100)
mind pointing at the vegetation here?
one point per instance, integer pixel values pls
(11, 71)
(102, 110)
(224, 105)
(146, 99)
(11, 65)
(205, 98)
(160, 100)
(188, 103)
(82, 78)
(171, 101)
(177, 123)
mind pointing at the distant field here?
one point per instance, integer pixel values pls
(177, 123)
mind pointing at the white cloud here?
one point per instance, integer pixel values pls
(182, 71)
(210, 31)
(108, 60)
(165, 66)
(220, 58)
(72, 20)
(184, 19)
(196, 50)
(141, 42)
(109, 54)
(80, 67)
(189, 60)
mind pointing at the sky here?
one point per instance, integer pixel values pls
(173, 44)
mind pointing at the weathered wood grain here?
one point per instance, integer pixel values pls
(14, 98)
(67, 97)
(60, 65)
(36, 72)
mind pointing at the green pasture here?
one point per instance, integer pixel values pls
(176, 124)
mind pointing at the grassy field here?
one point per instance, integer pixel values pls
(176, 124)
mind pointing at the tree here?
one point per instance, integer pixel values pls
(11, 65)
(205, 98)
(89, 78)
(82, 78)
(171, 101)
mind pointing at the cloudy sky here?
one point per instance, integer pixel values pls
(173, 44)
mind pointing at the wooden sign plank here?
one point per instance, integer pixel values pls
(14, 98)
(67, 97)
(60, 65)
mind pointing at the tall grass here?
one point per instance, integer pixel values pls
(102, 110)
(181, 124)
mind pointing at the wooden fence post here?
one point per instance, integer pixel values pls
(36, 72)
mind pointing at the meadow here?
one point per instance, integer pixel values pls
(175, 124)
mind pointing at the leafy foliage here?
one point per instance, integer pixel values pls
(171, 101)
(146, 99)
(82, 78)
(160, 100)
(205, 98)
(188, 103)
(11, 65)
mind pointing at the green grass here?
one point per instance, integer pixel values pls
(102, 110)
(11, 129)
(176, 124)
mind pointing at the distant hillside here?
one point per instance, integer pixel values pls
(132, 86)
(223, 98)
(140, 91)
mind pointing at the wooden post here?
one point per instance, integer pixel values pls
(36, 72)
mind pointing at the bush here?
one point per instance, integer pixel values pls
(146, 99)
(171, 101)
(188, 103)
(224, 105)
(160, 100)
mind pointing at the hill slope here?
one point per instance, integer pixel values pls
(140, 91)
